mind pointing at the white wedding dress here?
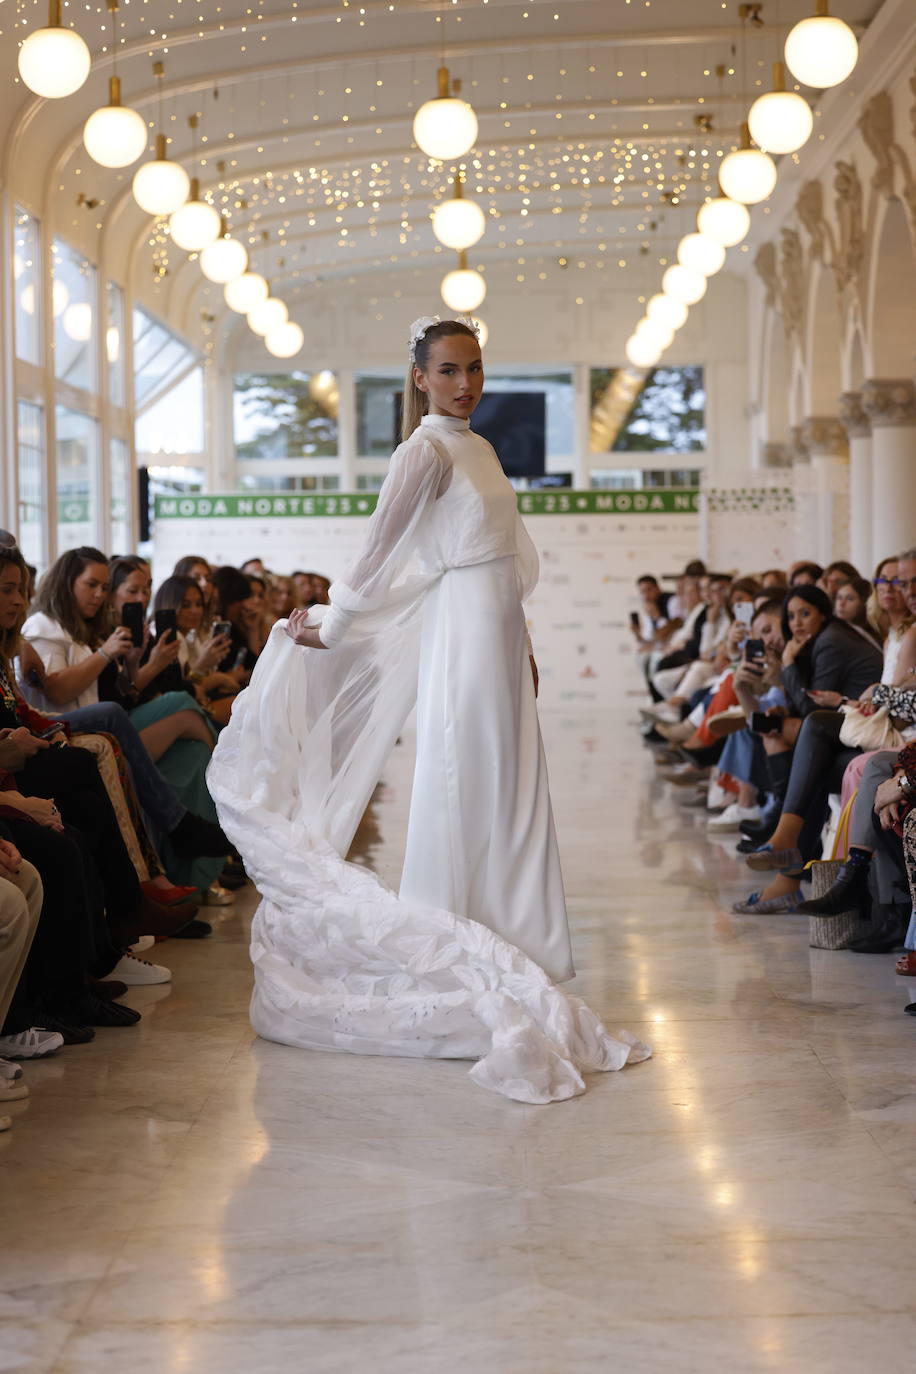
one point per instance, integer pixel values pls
(462, 962)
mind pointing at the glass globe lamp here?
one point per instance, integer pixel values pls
(821, 51)
(684, 284)
(224, 260)
(458, 223)
(658, 334)
(247, 291)
(160, 187)
(641, 352)
(445, 128)
(285, 341)
(115, 136)
(780, 121)
(268, 316)
(701, 254)
(726, 221)
(464, 289)
(747, 174)
(54, 62)
(666, 311)
(195, 225)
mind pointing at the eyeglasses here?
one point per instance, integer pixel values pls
(904, 582)
(889, 582)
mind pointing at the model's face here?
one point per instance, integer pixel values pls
(847, 604)
(137, 586)
(90, 589)
(191, 611)
(12, 596)
(453, 379)
(804, 621)
(906, 576)
(766, 626)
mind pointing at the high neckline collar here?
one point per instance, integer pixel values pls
(446, 422)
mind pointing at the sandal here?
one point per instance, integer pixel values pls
(755, 905)
(906, 964)
(770, 860)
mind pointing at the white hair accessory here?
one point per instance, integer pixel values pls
(471, 324)
(418, 331)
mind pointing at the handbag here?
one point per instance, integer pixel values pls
(877, 731)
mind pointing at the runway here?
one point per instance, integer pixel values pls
(179, 1197)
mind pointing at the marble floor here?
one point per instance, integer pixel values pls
(179, 1197)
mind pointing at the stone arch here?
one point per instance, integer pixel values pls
(892, 294)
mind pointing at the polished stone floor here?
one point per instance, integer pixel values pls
(177, 1197)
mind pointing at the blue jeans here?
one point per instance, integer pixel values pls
(156, 796)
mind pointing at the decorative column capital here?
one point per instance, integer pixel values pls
(889, 402)
(824, 436)
(774, 455)
(853, 417)
(798, 447)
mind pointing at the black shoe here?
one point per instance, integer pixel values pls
(910, 1009)
(884, 939)
(90, 1010)
(194, 930)
(107, 989)
(235, 869)
(196, 838)
(231, 881)
(73, 1034)
(848, 893)
(705, 757)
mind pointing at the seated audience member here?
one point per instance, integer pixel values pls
(281, 598)
(257, 613)
(850, 604)
(303, 587)
(774, 580)
(199, 570)
(21, 897)
(835, 574)
(651, 626)
(678, 684)
(683, 647)
(212, 689)
(805, 574)
(235, 604)
(321, 586)
(254, 567)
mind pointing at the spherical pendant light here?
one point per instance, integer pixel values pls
(115, 136)
(160, 187)
(196, 224)
(463, 290)
(701, 254)
(666, 311)
(684, 284)
(726, 221)
(747, 174)
(821, 51)
(458, 223)
(780, 121)
(77, 321)
(224, 260)
(641, 352)
(445, 128)
(54, 62)
(268, 316)
(285, 341)
(247, 291)
(658, 334)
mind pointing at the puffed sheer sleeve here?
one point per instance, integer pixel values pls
(417, 475)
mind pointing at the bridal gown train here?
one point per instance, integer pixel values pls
(462, 962)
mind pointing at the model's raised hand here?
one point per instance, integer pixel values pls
(302, 633)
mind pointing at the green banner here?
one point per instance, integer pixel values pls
(685, 501)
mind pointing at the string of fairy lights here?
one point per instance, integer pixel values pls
(469, 182)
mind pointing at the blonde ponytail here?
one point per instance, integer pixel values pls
(416, 402)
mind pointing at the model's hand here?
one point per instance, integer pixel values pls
(534, 673)
(301, 633)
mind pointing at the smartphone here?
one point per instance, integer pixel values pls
(222, 629)
(744, 613)
(634, 620)
(166, 621)
(754, 649)
(763, 724)
(132, 619)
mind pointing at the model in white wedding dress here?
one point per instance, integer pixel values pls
(462, 962)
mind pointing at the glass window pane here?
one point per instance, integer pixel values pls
(31, 460)
(174, 425)
(285, 415)
(377, 413)
(27, 270)
(119, 463)
(73, 297)
(663, 411)
(77, 478)
(250, 482)
(159, 356)
(114, 344)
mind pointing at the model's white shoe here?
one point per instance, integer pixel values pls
(731, 818)
(33, 1043)
(139, 973)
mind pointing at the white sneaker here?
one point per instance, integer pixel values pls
(717, 799)
(13, 1090)
(33, 1043)
(731, 818)
(144, 942)
(138, 973)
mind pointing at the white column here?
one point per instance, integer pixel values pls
(858, 431)
(346, 428)
(890, 405)
(804, 523)
(825, 440)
